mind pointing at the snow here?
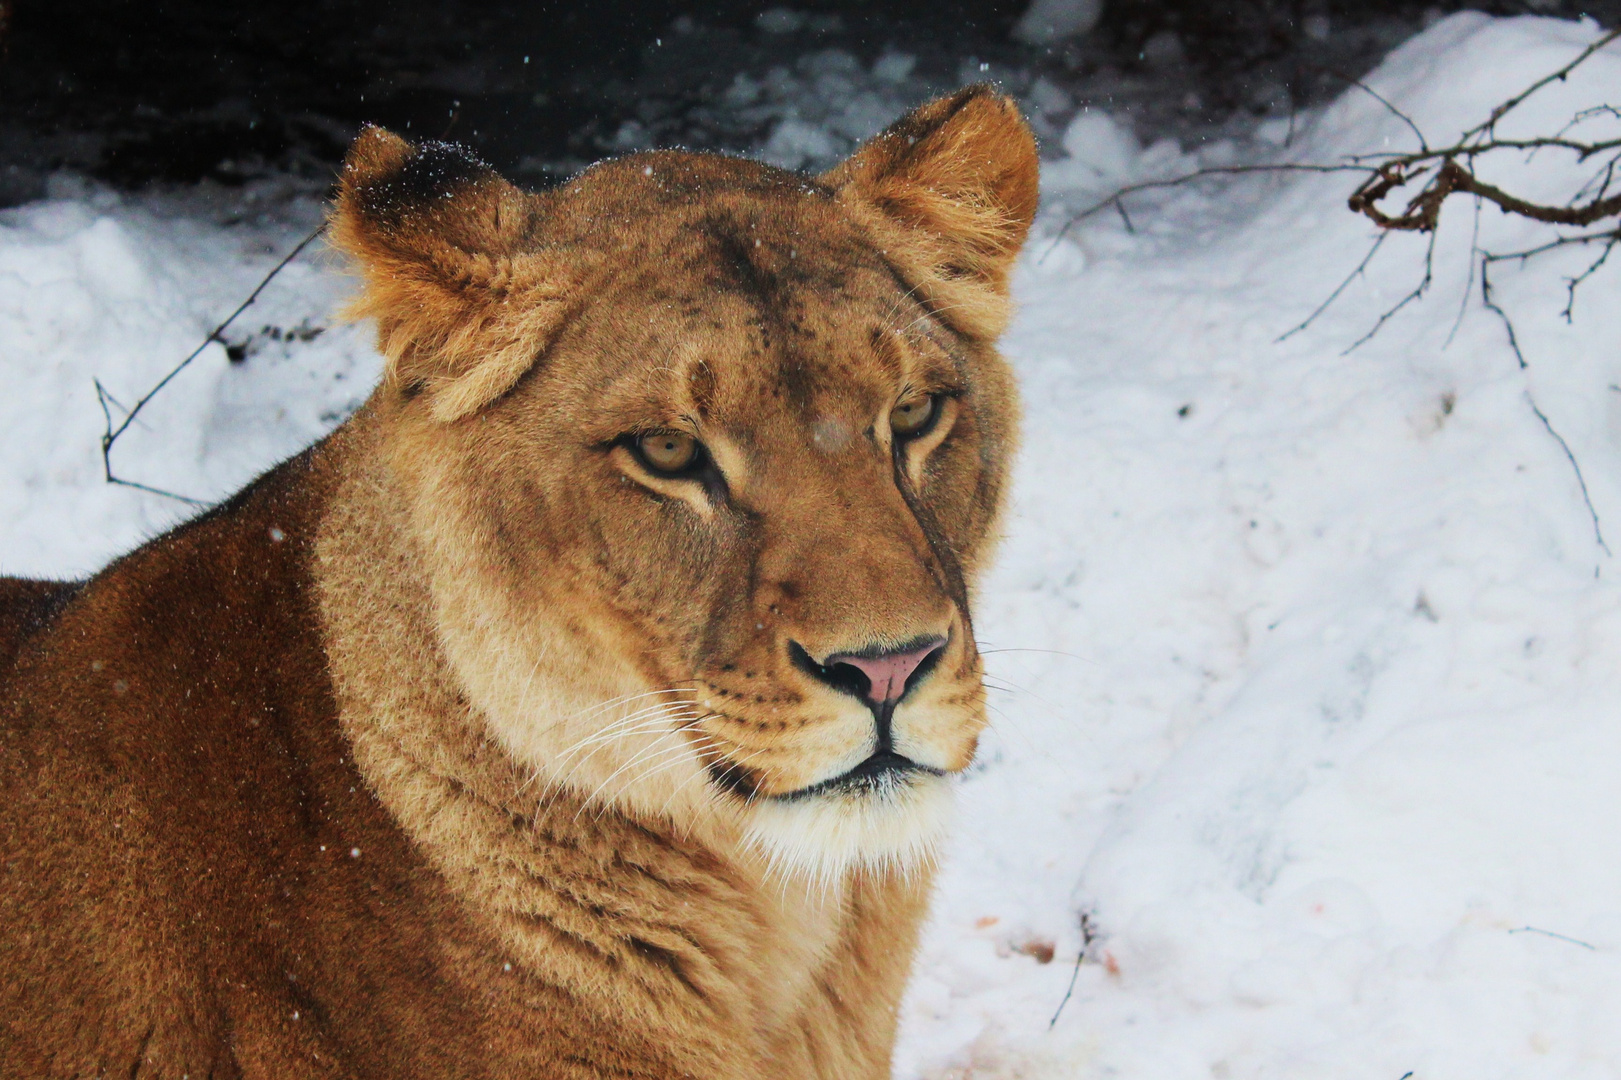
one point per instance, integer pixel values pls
(97, 286)
(1307, 660)
(823, 107)
(1047, 22)
(1330, 715)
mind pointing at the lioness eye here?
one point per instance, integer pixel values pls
(668, 451)
(912, 416)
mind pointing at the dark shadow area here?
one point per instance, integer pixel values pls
(177, 91)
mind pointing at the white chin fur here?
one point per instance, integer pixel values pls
(898, 826)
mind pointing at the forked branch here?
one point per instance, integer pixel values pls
(111, 431)
(1451, 170)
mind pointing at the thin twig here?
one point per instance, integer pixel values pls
(1610, 239)
(1088, 935)
(1557, 937)
(1114, 199)
(1558, 242)
(1341, 287)
(1423, 143)
(102, 398)
(1491, 304)
(1581, 481)
(110, 434)
(1574, 283)
(1558, 76)
(1417, 293)
(1602, 178)
(1582, 150)
(1584, 115)
(1469, 278)
(1125, 218)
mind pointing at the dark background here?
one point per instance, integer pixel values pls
(182, 90)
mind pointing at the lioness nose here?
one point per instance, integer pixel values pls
(887, 674)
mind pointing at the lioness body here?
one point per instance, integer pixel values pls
(356, 776)
(219, 893)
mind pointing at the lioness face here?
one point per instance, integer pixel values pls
(709, 554)
(765, 468)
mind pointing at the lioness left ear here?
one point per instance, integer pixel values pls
(465, 295)
(951, 189)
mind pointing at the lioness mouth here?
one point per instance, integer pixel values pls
(880, 771)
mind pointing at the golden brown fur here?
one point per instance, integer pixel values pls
(468, 744)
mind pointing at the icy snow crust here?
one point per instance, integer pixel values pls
(1308, 664)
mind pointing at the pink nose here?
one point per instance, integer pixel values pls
(887, 672)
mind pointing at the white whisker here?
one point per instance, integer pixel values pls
(639, 757)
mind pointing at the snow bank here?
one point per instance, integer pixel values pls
(826, 105)
(95, 286)
(1046, 22)
(1309, 662)
(1327, 744)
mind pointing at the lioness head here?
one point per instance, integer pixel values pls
(701, 460)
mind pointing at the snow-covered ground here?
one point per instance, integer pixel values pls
(1309, 663)
(97, 287)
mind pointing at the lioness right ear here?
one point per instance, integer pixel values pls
(465, 297)
(951, 189)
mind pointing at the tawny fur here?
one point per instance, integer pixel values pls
(463, 745)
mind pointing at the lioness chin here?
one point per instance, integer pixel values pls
(587, 704)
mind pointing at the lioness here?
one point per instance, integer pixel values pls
(586, 705)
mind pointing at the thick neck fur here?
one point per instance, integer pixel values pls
(672, 926)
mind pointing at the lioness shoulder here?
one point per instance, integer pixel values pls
(588, 704)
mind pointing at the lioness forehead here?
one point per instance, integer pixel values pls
(729, 355)
(736, 226)
(752, 287)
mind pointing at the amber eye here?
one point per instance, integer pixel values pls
(668, 451)
(913, 416)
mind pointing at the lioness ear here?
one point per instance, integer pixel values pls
(951, 187)
(465, 297)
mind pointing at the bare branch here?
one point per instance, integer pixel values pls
(1423, 211)
(1125, 218)
(1557, 937)
(1423, 143)
(1557, 76)
(1490, 302)
(102, 398)
(1089, 934)
(1114, 198)
(1610, 238)
(1418, 291)
(1469, 279)
(1572, 284)
(1450, 170)
(1597, 185)
(1335, 295)
(1584, 214)
(110, 434)
(1581, 481)
(1584, 115)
